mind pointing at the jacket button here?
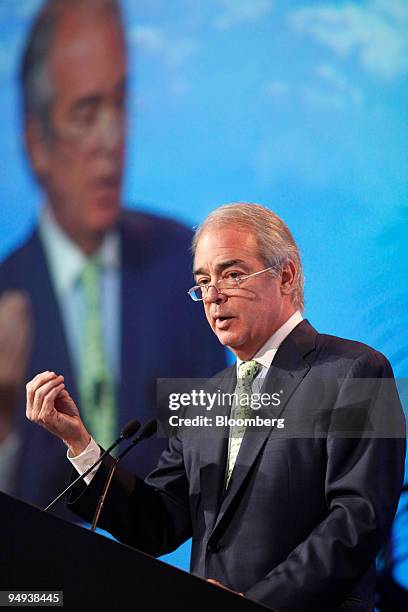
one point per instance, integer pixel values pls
(213, 547)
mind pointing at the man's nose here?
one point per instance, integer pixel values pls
(111, 130)
(214, 295)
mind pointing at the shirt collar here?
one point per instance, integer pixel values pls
(65, 258)
(268, 351)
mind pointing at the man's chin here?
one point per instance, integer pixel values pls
(229, 339)
(105, 216)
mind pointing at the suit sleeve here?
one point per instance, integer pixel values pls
(151, 515)
(364, 477)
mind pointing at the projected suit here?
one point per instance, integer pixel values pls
(157, 316)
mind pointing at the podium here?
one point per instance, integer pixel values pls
(41, 552)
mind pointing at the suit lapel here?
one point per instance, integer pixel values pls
(284, 376)
(129, 282)
(213, 452)
(51, 350)
(133, 287)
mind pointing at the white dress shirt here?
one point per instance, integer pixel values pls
(267, 352)
(65, 262)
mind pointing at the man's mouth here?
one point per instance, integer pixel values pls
(109, 182)
(107, 189)
(223, 322)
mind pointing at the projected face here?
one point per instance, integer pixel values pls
(242, 318)
(81, 163)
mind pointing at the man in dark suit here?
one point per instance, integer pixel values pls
(292, 517)
(95, 291)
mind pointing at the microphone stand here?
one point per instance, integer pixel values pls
(148, 430)
(126, 433)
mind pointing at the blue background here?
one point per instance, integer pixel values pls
(299, 105)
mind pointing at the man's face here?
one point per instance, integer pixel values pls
(81, 162)
(243, 319)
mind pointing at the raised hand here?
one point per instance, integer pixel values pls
(15, 345)
(50, 405)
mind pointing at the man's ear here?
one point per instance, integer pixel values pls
(288, 278)
(38, 147)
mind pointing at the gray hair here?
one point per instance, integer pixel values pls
(37, 88)
(276, 245)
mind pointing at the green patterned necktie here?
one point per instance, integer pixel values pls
(242, 409)
(96, 388)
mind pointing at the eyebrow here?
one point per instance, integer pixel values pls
(223, 265)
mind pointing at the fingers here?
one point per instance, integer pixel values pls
(18, 351)
(222, 586)
(15, 336)
(14, 305)
(50, 405)
(216, 582)
(37, 390)
(47, 414)
(31, 388)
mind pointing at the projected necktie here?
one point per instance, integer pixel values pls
(242, 409)
(96, 386)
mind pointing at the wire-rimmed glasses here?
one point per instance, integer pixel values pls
(198, 293)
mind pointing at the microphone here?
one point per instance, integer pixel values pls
(147, 431)
(127, 432)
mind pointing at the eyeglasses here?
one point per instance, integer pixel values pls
(200, 292)
(101, 116)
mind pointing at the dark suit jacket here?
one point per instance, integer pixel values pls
(304, 516)
(163, 333)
